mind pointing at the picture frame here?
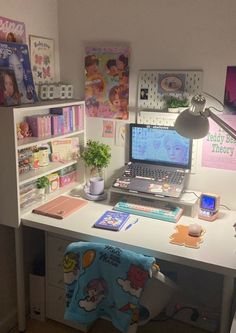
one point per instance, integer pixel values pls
(42, 57)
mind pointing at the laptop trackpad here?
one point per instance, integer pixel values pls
(144, 185)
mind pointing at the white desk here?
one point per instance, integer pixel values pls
(216, 254)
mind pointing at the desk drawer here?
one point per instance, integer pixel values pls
(55, 251)
(56, 306)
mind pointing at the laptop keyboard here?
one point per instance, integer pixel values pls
(162, 174)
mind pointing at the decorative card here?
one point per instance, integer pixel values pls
(16, 57)
(12, 31)
(107, 81)
(42, 59)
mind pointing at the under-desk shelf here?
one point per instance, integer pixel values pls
(188, 200)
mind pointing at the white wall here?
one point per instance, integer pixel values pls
(163, 34)
(40, 18)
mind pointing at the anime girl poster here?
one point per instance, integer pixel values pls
(107, 82)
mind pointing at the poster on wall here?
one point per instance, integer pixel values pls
(12, 31)
(107, 81)
(42, 59)
(15, 57)
(230, 90)
(219, 148)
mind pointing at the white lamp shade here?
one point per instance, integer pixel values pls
(191, 126)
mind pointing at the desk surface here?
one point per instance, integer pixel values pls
(150, 236)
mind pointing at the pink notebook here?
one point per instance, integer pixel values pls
(60, 207)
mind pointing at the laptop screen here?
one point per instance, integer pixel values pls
(159, 145)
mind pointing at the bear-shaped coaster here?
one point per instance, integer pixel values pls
(183, 236)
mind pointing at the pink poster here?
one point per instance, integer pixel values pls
(107, 82)
(12, 31)
(219, 148)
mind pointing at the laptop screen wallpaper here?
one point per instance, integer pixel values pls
(159, 145)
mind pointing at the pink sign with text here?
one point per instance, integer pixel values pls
(219, 148)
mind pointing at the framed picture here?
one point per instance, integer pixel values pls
(42, 59)
(15, 57)
(9, 92)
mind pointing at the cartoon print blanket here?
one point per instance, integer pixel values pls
(103, 280)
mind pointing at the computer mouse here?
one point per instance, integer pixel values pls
(194, 230)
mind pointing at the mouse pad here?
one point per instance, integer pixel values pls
(181, 237)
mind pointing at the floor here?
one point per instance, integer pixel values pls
(103, 326)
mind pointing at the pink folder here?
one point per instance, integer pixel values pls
(60, 207)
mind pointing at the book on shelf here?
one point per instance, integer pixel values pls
(112, 220)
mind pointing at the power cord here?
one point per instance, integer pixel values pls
(194, 316)
(199, 198)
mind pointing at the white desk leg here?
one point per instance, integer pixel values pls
(228, 289)
(20, 279)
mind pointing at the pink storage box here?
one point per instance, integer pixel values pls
(67, 179)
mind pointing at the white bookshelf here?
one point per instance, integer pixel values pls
(10, 179)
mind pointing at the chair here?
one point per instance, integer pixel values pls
(156, 296)
(115, 282)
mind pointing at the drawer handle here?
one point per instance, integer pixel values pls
(60, 281)
(59, 298)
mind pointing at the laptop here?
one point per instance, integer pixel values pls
(159, 161)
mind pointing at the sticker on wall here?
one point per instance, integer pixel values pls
(108, 129)
(219, 149)
(107, 81)
(120, 134)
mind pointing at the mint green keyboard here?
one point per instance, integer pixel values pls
(166, 213)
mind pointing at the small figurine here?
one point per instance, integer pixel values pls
(25, 130)
(18, 132)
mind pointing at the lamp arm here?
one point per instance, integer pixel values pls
(226, 127)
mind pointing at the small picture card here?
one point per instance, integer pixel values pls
(9, 92)
(42, 59)
(108, 129)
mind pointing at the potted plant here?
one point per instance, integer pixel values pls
(175, 104)
(96, 156)
(42, 183)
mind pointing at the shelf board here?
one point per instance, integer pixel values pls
(33, 141)
(43, 171)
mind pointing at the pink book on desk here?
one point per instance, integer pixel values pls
(60, 207)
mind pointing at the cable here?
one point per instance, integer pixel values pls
(192, 193)
(194, 316)
(225, 207)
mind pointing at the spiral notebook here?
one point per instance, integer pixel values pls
(60, 207)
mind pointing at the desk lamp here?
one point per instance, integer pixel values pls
(193, 122)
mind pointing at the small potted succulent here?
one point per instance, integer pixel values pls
(42, 184)
(96, 156)
(175, 104)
